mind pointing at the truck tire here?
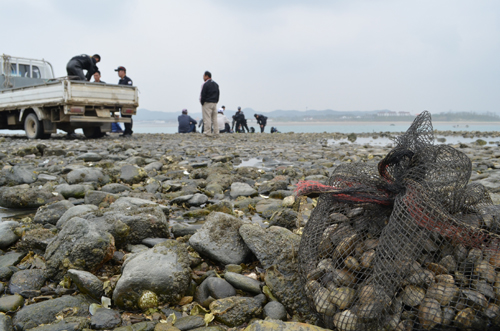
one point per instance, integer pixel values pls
(33, 127)
(92, 132)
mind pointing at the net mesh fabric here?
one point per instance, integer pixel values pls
(407, 245)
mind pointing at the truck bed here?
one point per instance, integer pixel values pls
(66, 92)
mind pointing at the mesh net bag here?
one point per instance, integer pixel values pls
(407, 245)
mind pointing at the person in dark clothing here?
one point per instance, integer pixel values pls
(209, 97)
(82, 62)
(241, 122)
(186, 123)
(125, 80)
(262, 121)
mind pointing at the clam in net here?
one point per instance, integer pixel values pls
(410, 245)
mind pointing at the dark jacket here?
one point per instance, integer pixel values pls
(184, 122)
(262, 120)
(239, 117)
(210, 92)
(125, 81)
(84, 62)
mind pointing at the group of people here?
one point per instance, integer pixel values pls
(75, 68)
(214, 121)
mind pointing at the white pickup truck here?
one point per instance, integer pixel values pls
(33, 100)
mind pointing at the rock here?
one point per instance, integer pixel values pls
(233, 268)
(168, 275)
(179, 230)
(131, 174)
(25, 197)
(96, 197)
(18, 174)
(219, 239)
(213, 288)
(45, 312)
(82, 175)
(27, 280)
(243, 282)
(75, 211)
(11, 258)
(7, 234)
(285, 217)
(189, 322)
(52, 212)
(150, 242)
(5, 323)
(234, 311)
(153, 166)
(87, 283)
(270, 186)
(142, 326)
(68, 323)
(35, 240)
(89, 157)
(223, 207)
(115, 188)
(276, 249)
(79, 245)
(275, 325)
(11, 303)
(275, 310)
(76, 191)
(198, 199)
(126, 202)
(265, 205)
(210, 328)
(104, 319)
(242, 189)
(5, 274)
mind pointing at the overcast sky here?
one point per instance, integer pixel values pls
(276, 54)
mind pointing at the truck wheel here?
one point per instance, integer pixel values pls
(92, 132)
(33, 127)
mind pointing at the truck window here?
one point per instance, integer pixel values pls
(36, 72)
(13, 69)
(24, 70)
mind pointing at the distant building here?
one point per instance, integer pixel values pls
(393, 113)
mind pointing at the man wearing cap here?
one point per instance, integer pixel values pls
(209, 97)
(125, 80)
(186, 123)
(241, 122)
(82, 62)
(222, 122)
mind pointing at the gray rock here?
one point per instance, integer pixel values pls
(76, 191)
(125, 202)
(51, 213)
(180, 230)
(11, 303)
(285, 217)
(213, 288)
(18, 174)
(168, 275)
(280, 194)
(150, 242)
(132, 175)
(11, 258)
(105, 319)
(6, 323)
(243, 282)
(198, 199)
(96, 197)
(25, 197)
(115, 188)
(45, 312)
(268, 187)
(89, 157)
(219, 239)
(153, 166)
(234, 311)
(210, 328)
(275, 310)
(27, 280)
(276, 249)
(242, 189)
(68, 323)
(265, 325)
(82, 175)
(5, 274)
(181, 199)
(189, 322)
(75, 211)
(142, 326)
(267, 207)
(79, 245)
(7, 235)
(87, 283)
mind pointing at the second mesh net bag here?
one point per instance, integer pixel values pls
(405, 245)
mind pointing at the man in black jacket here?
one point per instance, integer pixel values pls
(125, 80)
(262, 121)
(186, 123)
(241, 122)
(209, 98)
(82, 62)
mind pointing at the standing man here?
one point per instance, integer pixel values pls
(209, 98)
(82, 62)
(97, 77)
(261, 120)
(241, 121)
(125, 80)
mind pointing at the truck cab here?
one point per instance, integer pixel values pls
(18, 72)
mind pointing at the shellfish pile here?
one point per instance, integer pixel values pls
(428, 260)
